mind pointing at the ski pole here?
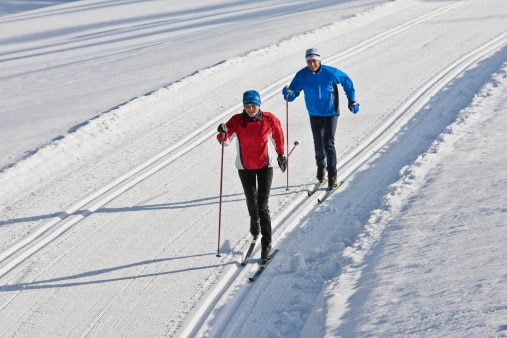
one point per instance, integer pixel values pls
(287, 132)
(296, 143)
(220, 200)
(288, 155)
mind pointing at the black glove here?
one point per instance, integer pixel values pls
(222, 128)
(282, 162)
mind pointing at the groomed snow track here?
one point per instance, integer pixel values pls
(226, 296)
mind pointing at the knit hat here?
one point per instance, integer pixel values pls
(312, 54)
(251, 96)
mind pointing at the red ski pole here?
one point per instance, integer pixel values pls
(288, 155)
(296, 143)
(220, 200)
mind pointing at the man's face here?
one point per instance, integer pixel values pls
(313, 65)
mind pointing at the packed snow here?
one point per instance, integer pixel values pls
(110, 171)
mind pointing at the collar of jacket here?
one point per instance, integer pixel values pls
(318, 70)
(257, 116)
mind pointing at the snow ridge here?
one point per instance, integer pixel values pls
(412, 178)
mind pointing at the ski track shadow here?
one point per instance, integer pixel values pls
(73, 280)
(502, 328)
(148, 207)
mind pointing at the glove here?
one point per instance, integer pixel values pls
(282, 162)
(222, 128)
(288, 94)
(354, 107)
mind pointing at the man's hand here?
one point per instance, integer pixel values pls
(354, 107)
(288, 94)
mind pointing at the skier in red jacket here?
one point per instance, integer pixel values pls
(253, 128)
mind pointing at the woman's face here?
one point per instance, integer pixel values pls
(251, 109)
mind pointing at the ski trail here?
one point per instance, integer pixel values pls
(83, 208)
(290, 216)
(206, 317)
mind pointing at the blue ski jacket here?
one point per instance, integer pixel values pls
(321, 89)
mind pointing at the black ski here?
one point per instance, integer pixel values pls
(263, 267)
(316, 187)
(329, 192)
(249, 252)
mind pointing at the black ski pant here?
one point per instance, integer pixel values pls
(323, 130)
(257, 187)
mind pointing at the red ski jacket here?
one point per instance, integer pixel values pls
(253, 134)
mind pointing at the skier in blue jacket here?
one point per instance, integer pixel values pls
(320, 84)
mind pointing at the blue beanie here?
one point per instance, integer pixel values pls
(251, 96)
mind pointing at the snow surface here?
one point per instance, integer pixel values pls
(109, 170)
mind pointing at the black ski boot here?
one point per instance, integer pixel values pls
(321, 172)
(332, 182)
(265, 253)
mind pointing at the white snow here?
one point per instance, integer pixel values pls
(110, 172)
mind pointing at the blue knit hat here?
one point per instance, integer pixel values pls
(251, 96)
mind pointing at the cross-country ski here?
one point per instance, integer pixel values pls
(316, 187)
(263, 267)
(329, 192)
(249, 252)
